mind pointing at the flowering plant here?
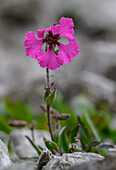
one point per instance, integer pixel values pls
(54, 55)
(63, 138)
(75, 136)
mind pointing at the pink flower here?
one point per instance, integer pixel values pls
(53, 58)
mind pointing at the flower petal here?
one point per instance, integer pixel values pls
(48, 60)
(62, 58)
(33, 44)
(67, 52)
(55, 29)
(66, 28)
(40, 33)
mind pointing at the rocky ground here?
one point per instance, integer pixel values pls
(48, 161)
(94, 70)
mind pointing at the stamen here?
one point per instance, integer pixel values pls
(51, 39)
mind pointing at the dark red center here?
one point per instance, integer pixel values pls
(51, 39)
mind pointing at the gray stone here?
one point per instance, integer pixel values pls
(22, 146)
(98, 86)
(4, 156)
(66, 160)
(109, 163)
(28, 165)
(4, 137)
(95, 57)
(105, 17)
(44, 158)
(25, 78)
(85, 10)
(17, 12)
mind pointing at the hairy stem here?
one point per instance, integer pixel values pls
(48, 106)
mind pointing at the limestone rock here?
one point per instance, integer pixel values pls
(18, 12)
(66, 160)
(85, 10)
(44, 158)
(28, 165)
(4, 137)
(109, 163)
(98, 86)
(22, 146)
(4, 156)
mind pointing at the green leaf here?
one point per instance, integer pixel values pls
(18, 111)
(4, 124)
(9, 148)
(27, 159)
(63, 140)
(2, 108)
(12, 154)
(52, 146)
(92, 127)
(56, 136)
(42, 122)
(25, 112)
(63, 107)
(45, 96)
(84, 134)
(74, 133)
(49, 100)
(103, 152)
(39, 151)
(11, 109)
(91, 145)
(109, 133)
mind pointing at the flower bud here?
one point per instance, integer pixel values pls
(47, 87)
(62, 116)
(17, 123)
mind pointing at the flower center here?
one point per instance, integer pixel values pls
(51, 39)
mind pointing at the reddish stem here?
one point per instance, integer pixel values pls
(48, 106)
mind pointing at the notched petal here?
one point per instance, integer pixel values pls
(55, 29)
(33, 45)
(66, 28)
(48, 60)
(67, 52)
(40, 33)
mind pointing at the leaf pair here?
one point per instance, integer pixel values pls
(48, 99)
(86, 140)
(60, 137)
(52, 146)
